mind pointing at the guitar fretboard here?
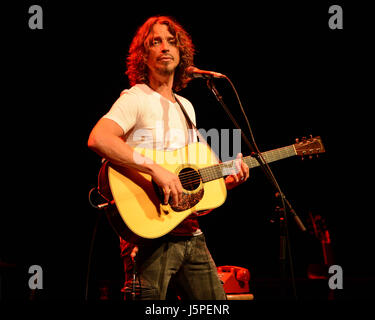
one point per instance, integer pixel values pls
(226, 168)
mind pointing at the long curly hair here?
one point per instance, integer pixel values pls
(137, 70)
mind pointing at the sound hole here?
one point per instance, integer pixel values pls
(190, 178)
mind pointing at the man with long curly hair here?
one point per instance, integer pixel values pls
(149, 114)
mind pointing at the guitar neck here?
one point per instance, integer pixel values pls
(223, 169)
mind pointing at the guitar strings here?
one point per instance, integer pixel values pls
(194, 177)
(201, 173)
(212, 171)
(215, 171)
(208, 172)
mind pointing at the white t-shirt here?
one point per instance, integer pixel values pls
(151, 121)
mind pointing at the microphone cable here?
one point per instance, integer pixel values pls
(93, 236)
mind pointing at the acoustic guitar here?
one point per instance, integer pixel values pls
(139, 200)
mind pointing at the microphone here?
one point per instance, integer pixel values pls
(197, 73)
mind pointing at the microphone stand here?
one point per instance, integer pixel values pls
(284, 236)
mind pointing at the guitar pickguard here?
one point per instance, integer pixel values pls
(193, 191)
(189, 200)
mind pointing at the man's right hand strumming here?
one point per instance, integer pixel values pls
(168, 182)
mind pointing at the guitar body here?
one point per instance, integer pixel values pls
(139, 200)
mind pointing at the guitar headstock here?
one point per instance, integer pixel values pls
(309, 146)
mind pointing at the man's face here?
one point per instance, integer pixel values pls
(163, 56)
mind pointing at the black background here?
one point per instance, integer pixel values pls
(295, 77)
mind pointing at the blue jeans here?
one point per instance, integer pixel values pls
(183, 263)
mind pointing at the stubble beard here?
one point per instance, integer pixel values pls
(166, 70)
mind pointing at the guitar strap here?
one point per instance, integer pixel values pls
(190, 123)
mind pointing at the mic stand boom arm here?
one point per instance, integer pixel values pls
(257, 156)
(284, 238)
